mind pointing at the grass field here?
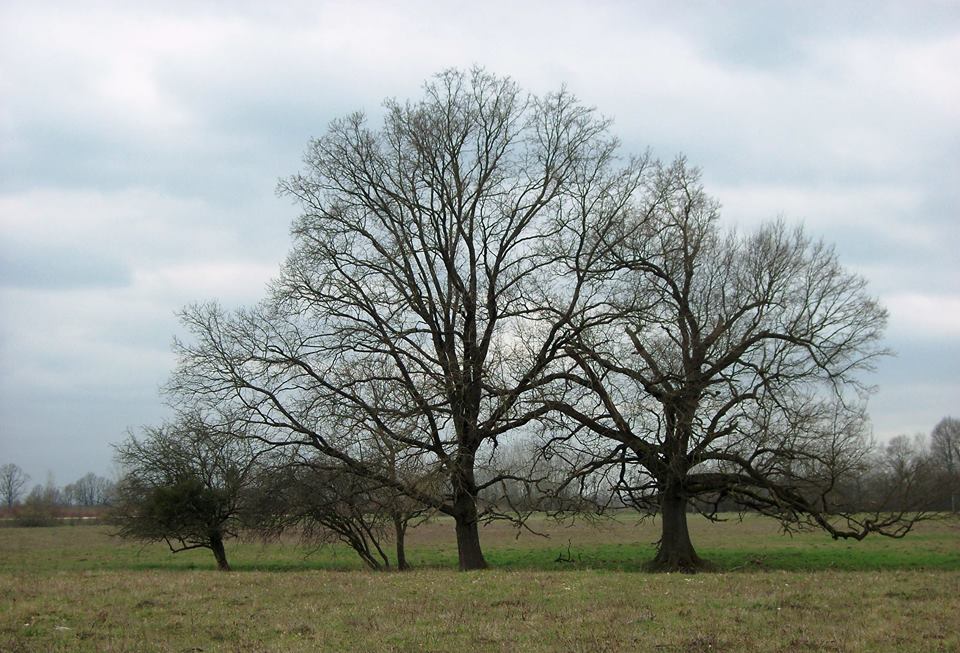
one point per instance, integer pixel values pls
(78, 588)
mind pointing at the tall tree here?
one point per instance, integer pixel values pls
(425, 262)
(726, 367)
(12, 482)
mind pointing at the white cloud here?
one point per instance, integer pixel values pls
(234, 282)
(856, 206)
(138, 226)
(919, 315)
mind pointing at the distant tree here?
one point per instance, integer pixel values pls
(902, 478)
(723, 366)
(902, 453)
(187, 484)
(12, 482)
(945, 452)
(89, 490)
(42, 506)
(49, 494)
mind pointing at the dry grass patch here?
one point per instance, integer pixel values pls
(490, 611)
(78, 589)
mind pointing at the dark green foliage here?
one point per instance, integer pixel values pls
(187, 506)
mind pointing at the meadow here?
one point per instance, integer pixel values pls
(77, 588)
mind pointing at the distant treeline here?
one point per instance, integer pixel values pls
(84, 501)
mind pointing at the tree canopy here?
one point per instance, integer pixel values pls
(425, 296)
(485, 262)
(722, 366)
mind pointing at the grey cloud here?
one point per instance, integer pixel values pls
(916, 387)
(59, 269)
(160, 132)
(780, 35)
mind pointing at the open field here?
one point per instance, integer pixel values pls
(76, 588)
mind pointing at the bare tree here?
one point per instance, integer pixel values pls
(426, 262)
(726, 367)
(323, 501)
(186, 484)
(42, 506)
(403, 467)
(89, 490)
(12, 482)
(903, 452)
(945, 451)
(902, 476)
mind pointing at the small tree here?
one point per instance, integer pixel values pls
(324, 500)
(186, 484)
(324, 503)
(12, 482)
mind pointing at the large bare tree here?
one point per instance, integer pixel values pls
(427, 291)
(725, 367)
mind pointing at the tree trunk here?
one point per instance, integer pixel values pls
(400, 529)
(468, 542)
(465, 514)
(216, 545)
(468, 533)
(675, 552)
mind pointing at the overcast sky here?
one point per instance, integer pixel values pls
(140, 148)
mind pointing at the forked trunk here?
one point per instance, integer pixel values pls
(675, 552)
(216, 545)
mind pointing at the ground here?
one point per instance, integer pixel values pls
(77, 588)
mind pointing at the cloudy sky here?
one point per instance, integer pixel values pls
(140, 149)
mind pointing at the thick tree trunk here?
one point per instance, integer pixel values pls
(468, 542)
(400, 530)
(468, 532)
(675, 551)
(216, 545)
(465, 514)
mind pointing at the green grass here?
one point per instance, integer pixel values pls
(77, 588)
(754, 544)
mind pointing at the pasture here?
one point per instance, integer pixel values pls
(581, 589)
